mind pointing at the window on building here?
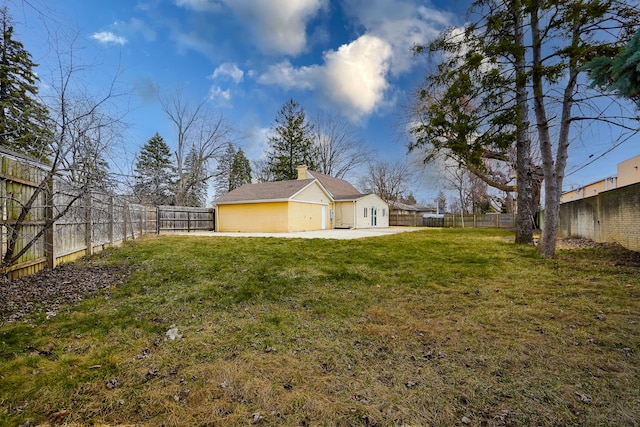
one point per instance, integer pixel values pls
(384, 212)
(365, 212)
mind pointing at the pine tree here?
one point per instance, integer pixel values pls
(222, 183)
(620, 73)
(155, 173)
(23, 118)
(196, 180)
(240, 171)
(292, 143)
(514, 75)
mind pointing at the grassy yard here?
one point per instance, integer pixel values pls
(438, 327)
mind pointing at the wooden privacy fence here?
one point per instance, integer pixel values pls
(88, 222)
(406, 220)
(480, 221)
(454, 220)
(182, 218)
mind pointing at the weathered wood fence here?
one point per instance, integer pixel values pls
(454, 220)
(407, 220)
(182, 218)
(93, 222)
(480, 221)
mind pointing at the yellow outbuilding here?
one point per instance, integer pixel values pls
(312, 202)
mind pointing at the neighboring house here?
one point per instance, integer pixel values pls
(409, 215)
(628, 173)
(312, 202)
(397, 208)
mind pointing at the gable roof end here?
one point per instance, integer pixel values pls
(339, 189)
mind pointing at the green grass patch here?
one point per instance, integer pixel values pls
(425, 328)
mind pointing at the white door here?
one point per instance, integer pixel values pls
(324, 217)
(374, 216)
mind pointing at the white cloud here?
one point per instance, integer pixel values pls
(107, 37)
(279, 25)
(127, 30)
(228, 70)
(353, 77)
(356, 74)
(216, 93)
(286, 75)
(199, 5)
(401, 23)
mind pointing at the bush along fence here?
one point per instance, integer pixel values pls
(64, 222)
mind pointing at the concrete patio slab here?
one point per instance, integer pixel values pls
(339, 234)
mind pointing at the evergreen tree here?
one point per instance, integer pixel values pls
(23, 118)
(240, 171)
(222, 183)
(292, 143)
(155, 173)
(620, 73)
(514, 75)
(196, 180)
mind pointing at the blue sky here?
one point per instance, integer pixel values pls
(249, 56)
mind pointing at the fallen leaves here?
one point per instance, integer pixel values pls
(47, 290)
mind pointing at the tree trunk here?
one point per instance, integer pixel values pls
(547, 245)
(553, 171)
(524, 214)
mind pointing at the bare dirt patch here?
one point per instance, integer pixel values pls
(608, 253)
(47, 290)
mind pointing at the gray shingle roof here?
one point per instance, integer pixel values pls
(338, 188)
(280, 190)
(406, 207)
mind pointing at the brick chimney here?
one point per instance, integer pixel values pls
(302, 172)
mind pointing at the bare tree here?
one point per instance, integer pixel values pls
(458, 180)
(341, 149)
(91, 136)
(387, 179)
(81, 121)
(198, 130)
(262, 171)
